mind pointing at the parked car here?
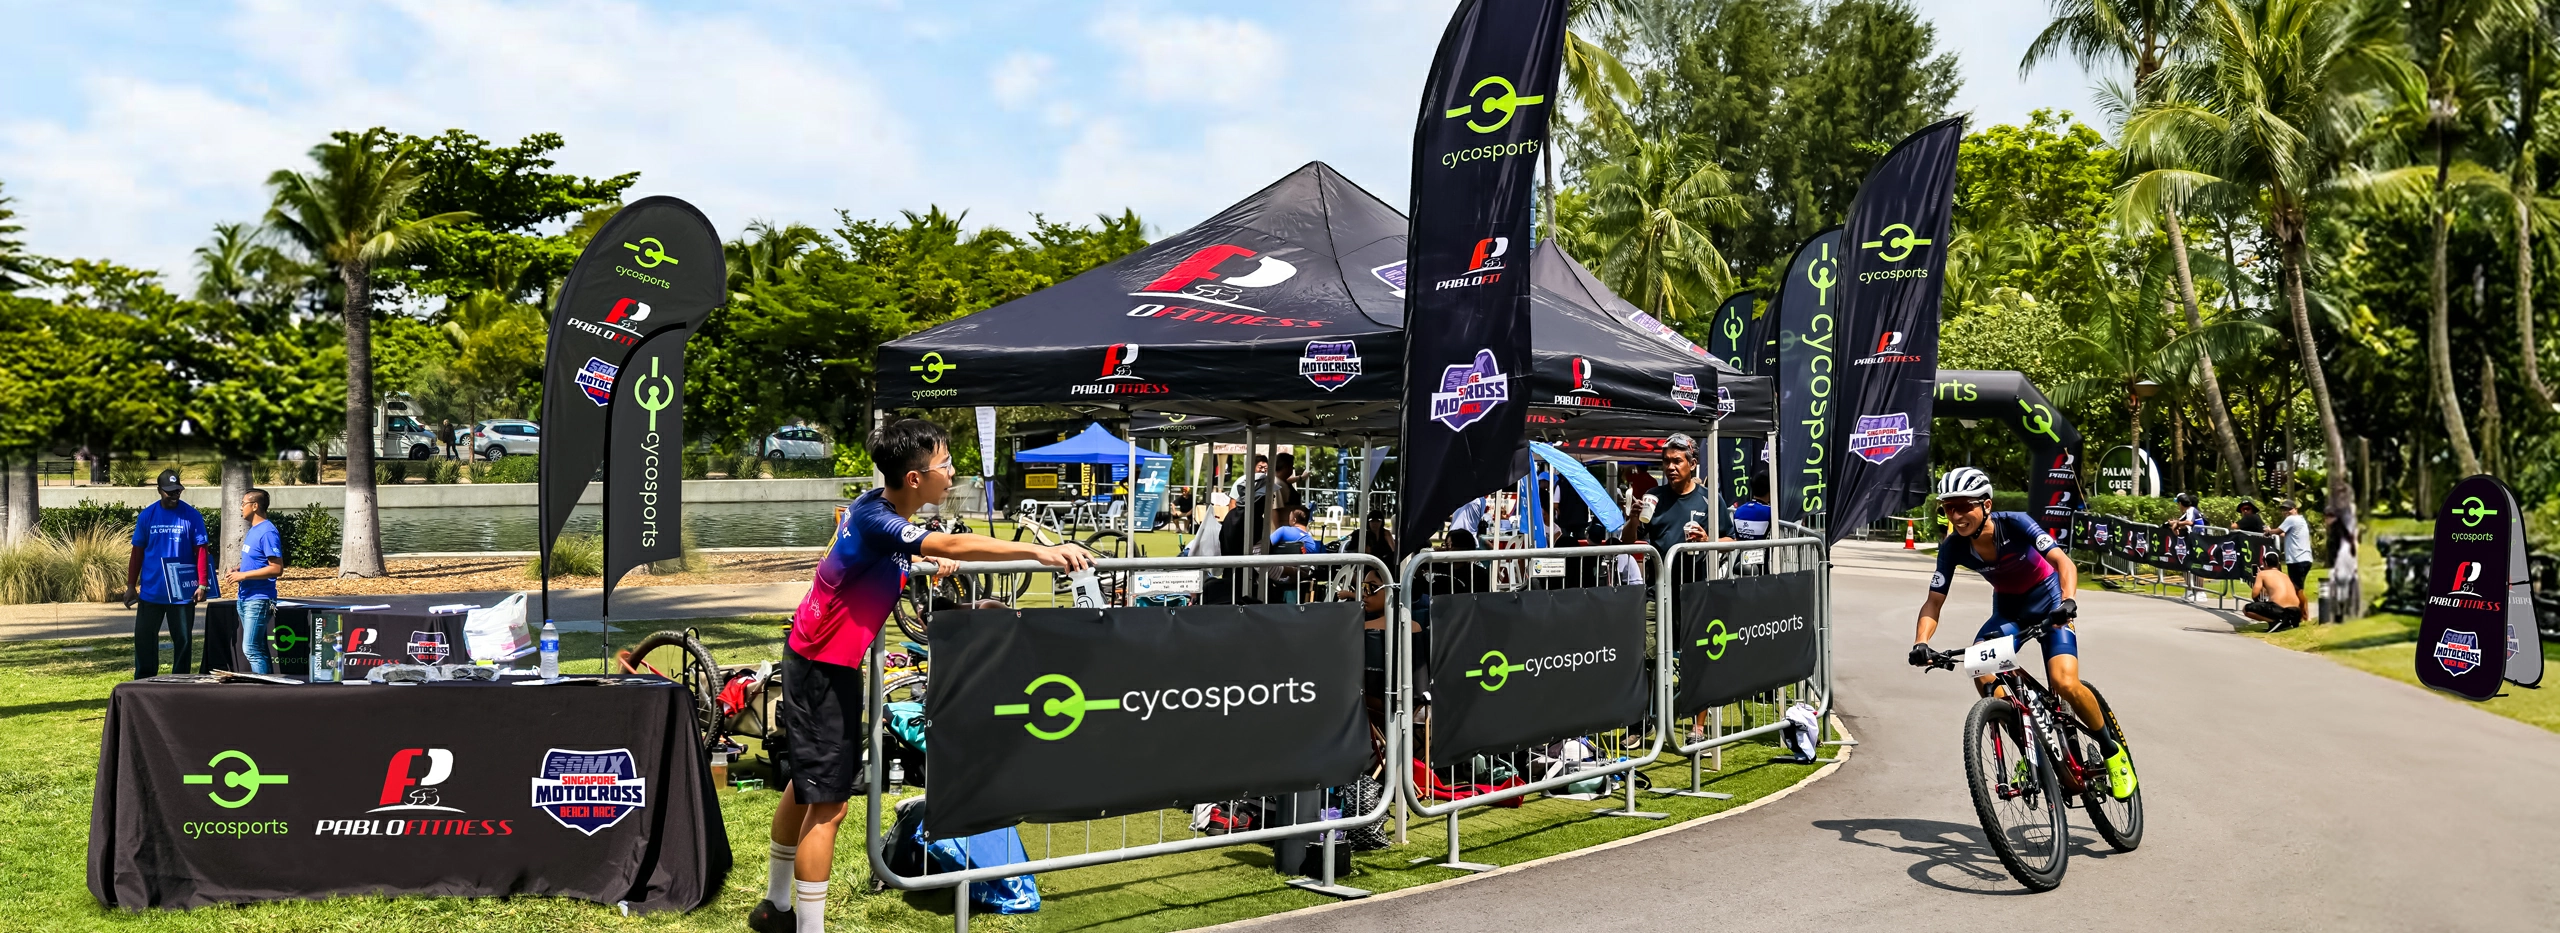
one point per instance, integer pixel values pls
(397, 434)
(491, 440)
(796, 444)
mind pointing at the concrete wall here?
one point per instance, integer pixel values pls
(474, 495)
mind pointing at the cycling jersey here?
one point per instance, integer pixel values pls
(857, 584)
(2023, 584)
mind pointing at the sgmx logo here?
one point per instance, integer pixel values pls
(1061, 711)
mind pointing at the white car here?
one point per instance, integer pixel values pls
(796, 444)
(491, 440)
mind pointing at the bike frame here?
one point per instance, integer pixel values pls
(2050, 726)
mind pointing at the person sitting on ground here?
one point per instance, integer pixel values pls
(857, 582)
(2272, 598)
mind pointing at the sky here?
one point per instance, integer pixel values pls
(127, 130)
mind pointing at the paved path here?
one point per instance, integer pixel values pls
(2284, 792)
(630, 605)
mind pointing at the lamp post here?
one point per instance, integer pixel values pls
(2142, 389)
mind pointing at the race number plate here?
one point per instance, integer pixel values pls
(1997, 656)
(1166, 583)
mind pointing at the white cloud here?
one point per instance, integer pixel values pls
(1019, 80)
(1193, 58)
(710, 108)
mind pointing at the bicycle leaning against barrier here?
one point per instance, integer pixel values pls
(2024, 756)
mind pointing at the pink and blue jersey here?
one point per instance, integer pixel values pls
(2023, 583)
(858, 583)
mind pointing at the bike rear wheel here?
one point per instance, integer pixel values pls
(695, 671)
(2016, 795)
(2118, 821)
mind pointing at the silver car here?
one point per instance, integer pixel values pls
(796, 444)
(491, 440)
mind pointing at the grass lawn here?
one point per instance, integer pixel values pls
(56, 698)
(2387, 644)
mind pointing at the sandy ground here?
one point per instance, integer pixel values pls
(481, 574)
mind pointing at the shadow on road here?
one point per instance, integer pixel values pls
(1953, 856)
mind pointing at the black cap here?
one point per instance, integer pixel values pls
(169, 481)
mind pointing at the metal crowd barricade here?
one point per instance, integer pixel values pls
(1580, 567)
(1164, 832)
(1805, 550)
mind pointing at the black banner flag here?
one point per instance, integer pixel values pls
(655, 267)
(1808, 327)
(1514, 669)
(1068, 714)
(1744, 635)
(2477, 628)
(644, 482)
(1734, 336)
(1475, 155)
(1894, 264)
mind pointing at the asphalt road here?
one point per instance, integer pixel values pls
(2283, 792)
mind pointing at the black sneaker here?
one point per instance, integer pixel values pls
(767, 918)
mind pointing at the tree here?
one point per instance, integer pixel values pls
(35, 366)
(2275, 100)
(256, 387)
(352, 213)
(1645, 226)
(19, 269)
(508, 194)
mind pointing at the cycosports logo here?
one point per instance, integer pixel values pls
(650, 253)
(1222, 275)
(1060, 713)
(1493, 94)
(596, 380)
(1495, 669)
(2459, 652)
(2472, 510)
(1822, 273)
(932, 366)
(1120, 375)
(1330, 364)
(1484, 265)
(589, 791)
(245, 778)
(428, 647)
(1469, 391)
(1894, 243)
(405, 789)
(1888, 350)
(1880, 437)
(1717, 637)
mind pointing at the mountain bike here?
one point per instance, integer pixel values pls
(914, 608)
(2027, 757)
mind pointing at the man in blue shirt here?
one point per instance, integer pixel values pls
(166, 574)
(261, 563)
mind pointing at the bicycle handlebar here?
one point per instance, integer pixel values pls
(1946, 660)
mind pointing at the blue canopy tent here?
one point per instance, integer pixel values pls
(1099, 446)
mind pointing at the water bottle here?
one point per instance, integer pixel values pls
(550, 652)
(1088, 592)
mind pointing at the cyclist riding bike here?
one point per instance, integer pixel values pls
(2031, 578)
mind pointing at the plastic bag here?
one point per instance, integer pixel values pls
(1015, 895)
(498, 633)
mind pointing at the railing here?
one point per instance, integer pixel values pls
(1804, 551)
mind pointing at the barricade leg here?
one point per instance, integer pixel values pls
(1630, 810)
(1454, 861)
(1324, 884)
(1697, 784)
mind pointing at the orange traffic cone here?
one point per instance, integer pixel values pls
(1907, 543)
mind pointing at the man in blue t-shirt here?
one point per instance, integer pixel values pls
(166, 575)
(254, 583)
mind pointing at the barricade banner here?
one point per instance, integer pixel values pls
(2176, 549)
(2141, 541)
(2101, 533)
(1744, 635)
(1067, 714)
(1509, 670)
(2225, 553)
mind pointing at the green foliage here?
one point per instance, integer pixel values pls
(519, 468)
(310, 536)
(84, 566)
(64, 524)
(802, 469)
(509, 193)
(18, 268)
(571, 556)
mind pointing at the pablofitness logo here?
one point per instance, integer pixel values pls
(1221, 275)
(405, 789)
(1888, 350)
(1582, 394)
(1484, 265)
(1120, 375)
(1061, 714)
(1496, 668)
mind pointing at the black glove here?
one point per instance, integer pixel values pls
(1921, 655)
(2070, 609)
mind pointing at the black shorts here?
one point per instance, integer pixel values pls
(822, 715)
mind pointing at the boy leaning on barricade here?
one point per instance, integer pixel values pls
(856, 584)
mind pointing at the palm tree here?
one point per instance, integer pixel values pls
(18, 268)
(2144, 34)
(2524, 194)
(351, 212)
(1651, 202)
(2276, 98)
(2122, 340)
(767, 253)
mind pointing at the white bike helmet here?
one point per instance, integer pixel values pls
(1964, 483)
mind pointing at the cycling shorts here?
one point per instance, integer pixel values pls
(2057, 641)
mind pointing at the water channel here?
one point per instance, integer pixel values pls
(511, 528)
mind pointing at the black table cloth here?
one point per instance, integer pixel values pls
(233, 793)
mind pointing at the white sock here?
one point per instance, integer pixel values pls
(777, 886)
(811, 910)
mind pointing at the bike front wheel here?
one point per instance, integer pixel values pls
(2016, 795)
(2118, 821)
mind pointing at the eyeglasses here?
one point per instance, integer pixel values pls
(943, 467)
(1958, 506)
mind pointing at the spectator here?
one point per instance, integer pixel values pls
(2189, 519)
(1292, 537)
(1638, 482)
(445, 434)
(1671, 512)
(2249, 520)
(1751, 515)
(166, 576)
(2273, 598)
(254, 583)
(1249, 488)
(2293, 537)
(1468, 518)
